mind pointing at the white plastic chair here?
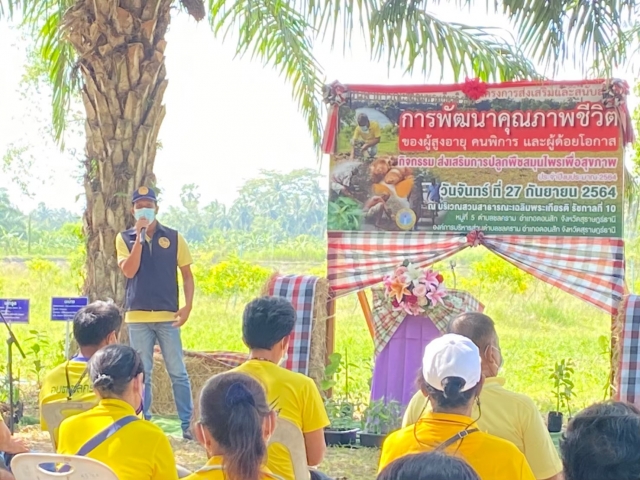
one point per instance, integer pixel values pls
(290, 437)
(28, 466)
(55, 412)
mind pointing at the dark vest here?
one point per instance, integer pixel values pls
(155, 286)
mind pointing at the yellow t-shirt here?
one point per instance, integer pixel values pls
(184, 259)
(512, 417)
(56, 389)
(374, 132)
(218, 473)
(138, 451)
(295, 397)
(491, 457)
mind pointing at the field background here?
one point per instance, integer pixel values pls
(236, 248)
(537, 324)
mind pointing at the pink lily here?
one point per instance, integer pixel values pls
(437, 294)
(431, 278)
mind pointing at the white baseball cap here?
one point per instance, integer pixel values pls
(451, 356)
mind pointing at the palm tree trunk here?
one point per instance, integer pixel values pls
(120, 45)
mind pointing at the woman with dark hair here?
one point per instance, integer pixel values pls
(111, 432)
(452, 380)
(234, 425)
(602, 442)
(428, 466)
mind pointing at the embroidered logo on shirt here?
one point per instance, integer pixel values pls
(164, 242)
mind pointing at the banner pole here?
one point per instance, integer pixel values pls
(366, 310)
(66, 342)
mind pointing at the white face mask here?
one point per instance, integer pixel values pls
(284, 359)
(364, 129)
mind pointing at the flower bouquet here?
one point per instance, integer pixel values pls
(413, 289)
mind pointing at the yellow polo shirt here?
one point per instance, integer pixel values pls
(184, 259)
(138, 451)
(373, 132)
(491, 457)
(219, 474)
(510, 416)
(295, 397)
(56, 389)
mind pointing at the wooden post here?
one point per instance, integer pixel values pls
(330, 346)
(366, 310)
(331, 327)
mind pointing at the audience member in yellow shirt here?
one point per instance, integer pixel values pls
(428, 466)
(452, 379)
(234, 424)
(94, 326)
(505, 414)
(111, 432)
(267, 324)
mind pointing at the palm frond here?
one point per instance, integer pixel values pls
(7, 7)
(412, 37)
(623, 52)
(577, 30)
(276, 33)
(44, 19)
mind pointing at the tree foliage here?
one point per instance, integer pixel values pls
(275, 206)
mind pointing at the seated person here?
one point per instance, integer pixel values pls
(508, 415)
(94, 327)
(234, 424)
(135, 449)
(452, 379)
(428, 466)
(9, 446)
(267, 323)
(602, 442)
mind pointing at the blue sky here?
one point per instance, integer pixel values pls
(226, 118)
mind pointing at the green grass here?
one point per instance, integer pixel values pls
(537, 325)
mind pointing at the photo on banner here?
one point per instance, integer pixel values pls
(521, 159)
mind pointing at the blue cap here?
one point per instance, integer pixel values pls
(143, 193)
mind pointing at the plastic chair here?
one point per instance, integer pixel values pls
(30, 466)
(290, 437)
(55, 412)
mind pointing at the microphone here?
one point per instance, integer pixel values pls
(143, 235)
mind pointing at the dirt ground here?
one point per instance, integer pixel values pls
(342, 463)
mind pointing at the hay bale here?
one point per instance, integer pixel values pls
(200, 366)
(318, 350)
(617, 328)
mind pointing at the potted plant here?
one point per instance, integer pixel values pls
(563, 393)
(380, 419)
(341, 411)
(343, 428)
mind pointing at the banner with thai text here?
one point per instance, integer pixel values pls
(523, 158)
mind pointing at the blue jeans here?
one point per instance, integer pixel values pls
(143, 337)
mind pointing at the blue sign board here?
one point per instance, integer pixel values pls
(15, 310)
(64, 308)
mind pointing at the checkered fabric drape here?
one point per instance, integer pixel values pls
(628, 359)
(300, 290)
(589, 268)
(387, 320)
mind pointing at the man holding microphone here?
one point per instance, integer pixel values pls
(149, 255)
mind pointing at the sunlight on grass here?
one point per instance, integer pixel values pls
(537, 324)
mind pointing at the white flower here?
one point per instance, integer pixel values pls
(414, 274)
